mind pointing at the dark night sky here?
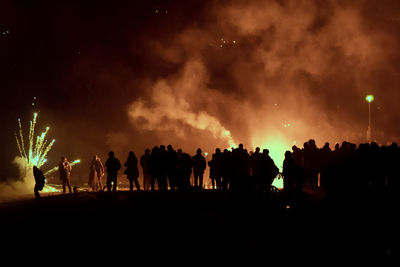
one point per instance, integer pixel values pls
(89, 62)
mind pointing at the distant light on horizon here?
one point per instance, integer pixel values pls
(369, 98)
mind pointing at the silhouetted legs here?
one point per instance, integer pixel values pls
(162, 182)
(37, 195)
(153, 181)
(100, 183)
(172, 181)
(225, 182)
(133, 180)
(66, 183)
(218, 181)
(146, 181)
(198, 180)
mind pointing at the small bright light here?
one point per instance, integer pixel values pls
(206, 154)
(369, 98)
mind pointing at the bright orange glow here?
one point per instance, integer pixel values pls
(277, 145)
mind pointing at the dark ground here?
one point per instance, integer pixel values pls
(201, 224)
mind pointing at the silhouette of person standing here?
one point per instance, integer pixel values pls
(64, 168)
(268, 170)
(112, 166)
(199, 165)
(226, 171)
(184, 170)
(96, 173)
(132, 172)
(216, 169)
(39, 181)
(255, 166)
(162, 168)
(154, 166)
(172, 162)
(288, 172)
(144, 162)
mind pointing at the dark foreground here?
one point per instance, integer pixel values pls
(201, 224)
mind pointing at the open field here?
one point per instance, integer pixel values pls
(205, 222)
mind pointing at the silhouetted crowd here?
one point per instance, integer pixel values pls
(229, 170)
(346, 170)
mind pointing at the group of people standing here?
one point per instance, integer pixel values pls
(347, 169)
(240, 170)
(170, 169)
(112, 166)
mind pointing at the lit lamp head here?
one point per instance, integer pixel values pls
(369, 98)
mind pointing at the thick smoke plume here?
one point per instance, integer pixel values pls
(173, 103)
(269, 74)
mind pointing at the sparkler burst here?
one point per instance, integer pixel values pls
(37, 151)
(38, 148)
(54, 169)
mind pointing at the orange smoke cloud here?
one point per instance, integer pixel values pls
(170, 106)
(294, 71)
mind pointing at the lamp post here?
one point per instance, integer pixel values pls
(369, 99)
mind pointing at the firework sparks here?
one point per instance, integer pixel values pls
(54, 169)
(37, 150)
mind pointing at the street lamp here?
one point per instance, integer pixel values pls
(369, 99)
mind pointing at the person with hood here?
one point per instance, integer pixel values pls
(96, 173)
(39, 181)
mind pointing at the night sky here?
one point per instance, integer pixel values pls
(127, 75)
